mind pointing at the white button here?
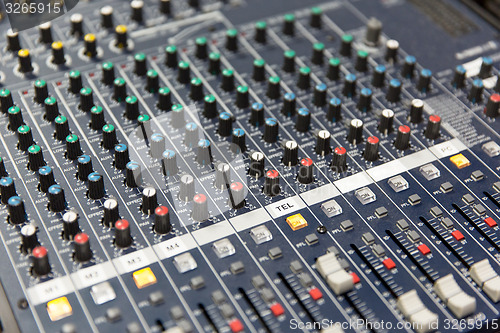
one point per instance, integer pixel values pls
(365, 195)
(409, 303)
(261, 234)
(331, 208)
(398, 183)
(429, 171)
(102, 293)
(223, 248)
(185, 262)
(491, 148)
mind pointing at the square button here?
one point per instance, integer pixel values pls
(296, 266)
(277, 309)
(446, 187)
(102, 293)
(236, 326)
(460, 161)
(468, 199)
(381, 212)
(144, 277)
(197, 282)
(424, 249)
(447, 223)
(479, 209)
(436, 211)
(477, 175)
(378, 250)
(237, 267)
(296, 222)
(490, 222)
(331, 208)
(368, 238)
(315, 294)
(346, 225)
(156, 298)
(311, 239)
(389, 264)
(113, 314)
(402, 224)
(414, 199)
(355, 278)
(457, 235)
(59, 308)
(275, 253)
(414, 236)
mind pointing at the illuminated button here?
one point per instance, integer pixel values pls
(277, 309)
(424, 249)
(59, 308)
(457, 235)
(460, 161)
(355, 278)
(236, 326)
(389, 264)
(144, 277)
(102, 293)
(296, 222)
(316, 294)
(490, 222)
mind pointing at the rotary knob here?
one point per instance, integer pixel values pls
(303, 120)
(162, 220)
(191, 135)
(15, 118)
(433, 127)
(152, 81)
(459, 77)
(210, 106)
(95, 186)
(13, 43)
(260, 32)
(304, 80)
(62, 127)
(121, 156)
(84, 167)
(149, 200)
(131, 108)
(371, 149)
(86, 99)
(403, 138)
(424, 81)
(51, 108)
(476, 91)
(83, 253)
(41, 91)
(204, 155)
(339, 160)
(6, 100)
(184, 72)
(346, 45)
(315, 18)
(201, 48)
(289, 61)
(45, 178)
(272, 183)
(373, 31)
(257, 163)
(57, 201)
(76, 24)
(355, 131)
(238, 141)
(157, 145)
(271, 130)
(70, 225)
(365, 100)
(232, 40)
(378, 76)
(349, 89)
(408, 67)
(323, 143)
(319, 98)
(106, 17)
(123, 237)
(289, 105)
(237, 195)
(416, 110)
(334, 110)
(24, 59)
(17, 212)
(273, 87)
(257, 114)
(242, 100)
(109, 139)
(121, 36)
(394, 92)
(171, 56)
(196, 92)
(41, 265)
(177, 113)
(222, 176)
(333, 72)
(119, 89)
(291, 153)
(227, 83)
(306, 171)
(225, 124)
(289, 25)
(164, 99)
(186, 191)
(35, 157)
(391, 50)
(200, 208)
(486, 67)
(133, 176)
(25, 137)
(7, 189)
(29, 239)
(214, 63)
(169, 163)
(386, 121)
(111, 213)
(491, 109)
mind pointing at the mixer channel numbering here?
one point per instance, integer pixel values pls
(167, 169)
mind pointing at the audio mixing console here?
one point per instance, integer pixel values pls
(250, 166)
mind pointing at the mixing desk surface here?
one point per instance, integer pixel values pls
(250, 166)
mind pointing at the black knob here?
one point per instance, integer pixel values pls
(346, 45)
(424, 81)
(153, 82)
(373, 31)
(222, 176)
(121, 37)
(289, 61)
(289, 105)
(111, 213)
(204, 156)
(339, 160)
(29, 240)
(378, 76)
(6, 100)
(365, 100)
(157, 145)
(136, 10)
(288, 25)
(394, 92)
(238, 141)
(323, 143)
(57, 200)
(271, 130)
(41, 265)
(391, 50)
(123, 237)
(334, 110)
(131, 108)
(35, 157)
(83, 253)
(164, 99)
(236, 195)
(162, 220)
(214, 63)
(486, 67)
(349, 89)
(371, 149)
(315, 19)
(45, 178)
(13, 43)
(476, 91)
(84, 167)
(109, 139)
(90, 45)
(7, 189)
(306, 171)
(96, 117)
(408, 67)
(17, 213)
(201, 48)
(144, 122)
(196, 93)
(303, 120)
(227, 80)
(257, 163)
(169, 163)
(317, 54)
(416, 110)
(149, 200)
(242, 100)
(304, 81)
(291, 153)
(333, 72)
(272, 183)
(41, 91)
(232, 40)
(76, 24)
(177, 113)
(184, 72)
(171, 56)
(191, 135)
(86, 99)
(260, 32)
(319, 98)
(403, 138)
(58, 57)
(273, 87)
(459, 77)
(210, 106)
(433, 127)
(140, 64)
(25, 137)
(133, 176)
(186, 190)
(121, 156)
(355, 131)
(119, 89)
(45, 30)
(361, 61)
(95, 186)
(15, 118)
(62, 127)
(75, 82)
(24, 59)
(70, 225)
(51, 108)
(386, 121)
(165, 7)
(257, 114)
(200, 208)
(225, 124)
(107, 17)
(491, 109)
(3, 172)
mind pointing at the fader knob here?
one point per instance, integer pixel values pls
(162, 220)
(123, 237)
(133, 175)
(57, 200)
(416, 111)
(41, 91)
(83, 253)
(84, 167)
(271, 130)
(111, 213)
(225, 124)
(257, 114)
(433, 127)
(371, 149)
(41, 265)
(476, 91)
(257, 163)
(491, 109)
(29, 240)
(339, 159)
(149, 200)
(306, 171)
(291, 153)
(323, 143)
(222, 176)
(7, 189)
(17, 213)
(355, 131)
(95, 186)
(232, 40)
(186, 191)
(402, 138)
(70, 225)
(35, 157)
(200, 208)
(121, 156)
(15, 117)
(303, 120)
(45, 178)
(272, 183)
(386, 121)
(204, 156)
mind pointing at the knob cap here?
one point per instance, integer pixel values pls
(491, 109)
(35, 157)
(236, 195)
(459, 77)
(416, 110)
(257, 163)
(25, 137)
(339, 160)
(303, 120)
(123, 238)
(323, 143)
(121, 156)
(162, 220)
(386, 121)
(319, 98)
(70, 225)
(83, 253)
(403, 138)
(7, 189)
(433, 127)
(164, 99)
(111, 213)
(355, 131)
(29, 240)
(57, 201)
(204, 156)
(291, 153)
(391, 50)
(133, 176)
(15, 118)
(238, 141)
(334, 110)
(17, 212)
(289, 104)
(73, 149)
(476, 91)
(271, 130)
(225, 124)
(45, 178)
(41, 264)
(200, 208)
(149, 200)
(394, 92)
(306, 171)
(222, 176)
(84, 167)
(371, 149)
(257, 114)
(169, 163)
(157, 145)
(271, 183)
(349, 89)
(109, 139)
(95, 186)
(186, 191)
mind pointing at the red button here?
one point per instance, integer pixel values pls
(355, 278)
(389, 264)
(315, 294)
(490, 222)
(458, 235)
(424, 249)
(277, 309)
(236, 326)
